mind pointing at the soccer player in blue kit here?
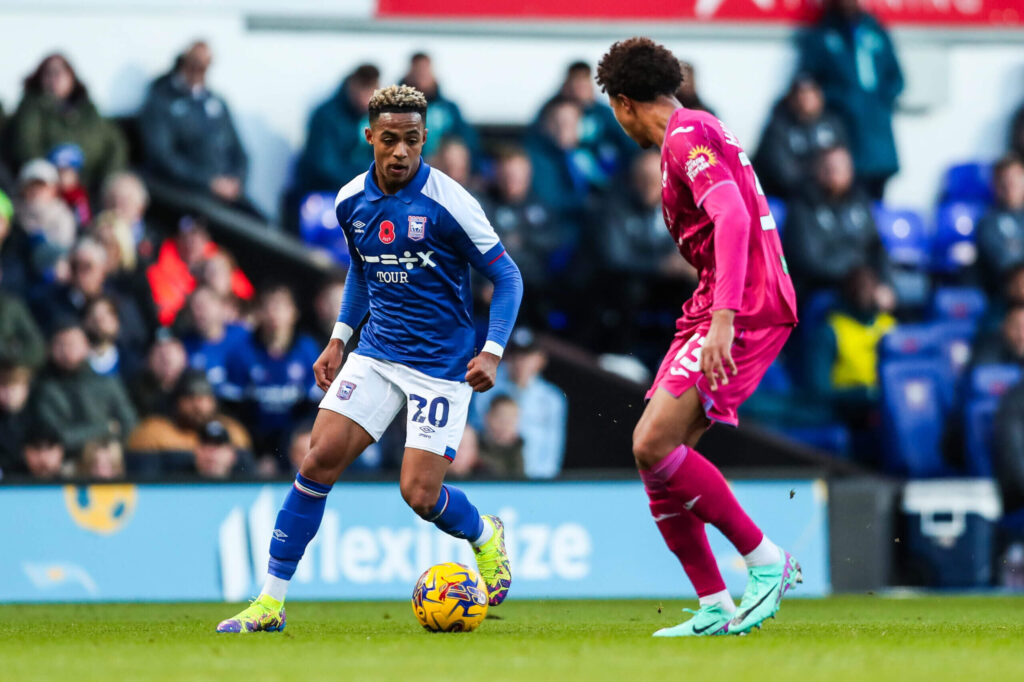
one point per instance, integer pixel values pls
(413, 233)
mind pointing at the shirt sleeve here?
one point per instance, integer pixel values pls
(697, 155)
(475, 239)
(725, 207)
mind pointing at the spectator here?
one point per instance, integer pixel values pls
(15, 384)
(1001, 231)
(336, 150)
(212, 341)
(799, 129)
(561, 176)
(1012, 294)
(687, 92)
(527, 228)
(853, 58)
(102, 460)
(1008, 448)
(217, 273)
(543, 407)
(273, 372)
(68, 160)
(108, 355)
(14, 251)
(843, 360)
(41, 212)
(194, 406)
(74, 401)
(453, 159)
(501, 446)
(601, 136)
(54, 110)
(1005, 345)
(124, 276)
(127, 196)
(43, 456)
(153, 392)
(326, 306)
(173, 276)
(216, 456)
(89, 281)
(444, 119)
(830, 231)
(188, 136)
(20, 339)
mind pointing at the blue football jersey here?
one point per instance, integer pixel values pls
(414, 249)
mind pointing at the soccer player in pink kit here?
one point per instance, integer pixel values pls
(731, 330)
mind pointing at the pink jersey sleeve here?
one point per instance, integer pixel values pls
(725, 207)
(697, 151)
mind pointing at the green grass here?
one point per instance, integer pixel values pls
(842, 638)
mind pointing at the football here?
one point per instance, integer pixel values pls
(450, 598)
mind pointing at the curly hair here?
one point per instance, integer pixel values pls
(640, 69)
(397, 99)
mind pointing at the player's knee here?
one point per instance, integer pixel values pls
(321, 464)
(648, 450)
(420, 497)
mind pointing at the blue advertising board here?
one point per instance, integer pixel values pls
(209, 542)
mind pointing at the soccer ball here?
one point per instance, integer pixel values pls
(450, 598)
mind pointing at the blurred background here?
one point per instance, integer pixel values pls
(170, 268)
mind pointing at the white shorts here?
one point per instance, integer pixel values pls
(372, 392)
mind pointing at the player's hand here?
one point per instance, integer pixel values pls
(326, 366)
(481, 370)
(716, 357)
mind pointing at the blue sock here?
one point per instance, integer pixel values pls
(297, 523)
(456, 515)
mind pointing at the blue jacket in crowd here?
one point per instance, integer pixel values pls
(444, 120)
(856, 65)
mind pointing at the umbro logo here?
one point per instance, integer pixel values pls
(359, 223)
(280, 534)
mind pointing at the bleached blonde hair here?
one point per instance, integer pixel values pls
(397, 99)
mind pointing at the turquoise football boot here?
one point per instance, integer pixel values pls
(710, 619)
(766, 586)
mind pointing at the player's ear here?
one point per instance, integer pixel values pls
(369, 134)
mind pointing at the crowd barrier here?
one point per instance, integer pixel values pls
(209, 542)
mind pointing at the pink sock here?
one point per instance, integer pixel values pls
(700, 488)
(684, 534)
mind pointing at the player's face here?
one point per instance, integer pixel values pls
(397, 141)
(625, 114)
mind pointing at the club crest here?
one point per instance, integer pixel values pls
(345, 390)
(417, 228)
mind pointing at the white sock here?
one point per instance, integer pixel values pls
(723, 599)
(275, 588)
(486, 535)
(765, 554)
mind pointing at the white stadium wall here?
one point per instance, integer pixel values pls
(964, 86)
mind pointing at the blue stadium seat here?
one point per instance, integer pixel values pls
(953, 243)
(904, 235)
(968, 182)
(776, 379)
(832, 438)
(813, 313)
(913, 417)
(778, 208)
(959, 303)
(955, 339)
(946, 342)
(318, 226)
(987, 384)
(911, 341)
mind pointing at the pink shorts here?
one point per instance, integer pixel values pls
(752, 351)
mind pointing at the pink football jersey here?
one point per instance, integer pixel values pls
(698, 155)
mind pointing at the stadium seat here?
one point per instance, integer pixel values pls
(904, 235)
(912, 417)
(987, 384)
(318, 226)
(947, 342)
(953, 242)
(911, 341)
(832, 438)
(968, 182)
(778, 208)
(959, 303)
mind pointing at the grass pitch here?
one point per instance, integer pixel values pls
(842, 638)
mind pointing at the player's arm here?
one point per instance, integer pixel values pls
(475, 238)
(354, 304)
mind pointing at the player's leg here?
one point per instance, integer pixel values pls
(437, 416)
(353, 414)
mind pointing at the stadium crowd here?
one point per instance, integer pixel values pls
(131, 347)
